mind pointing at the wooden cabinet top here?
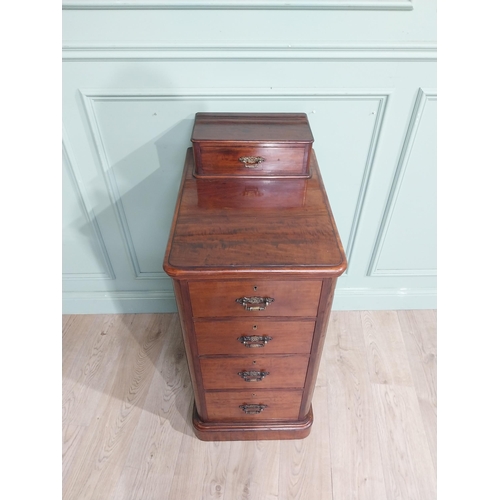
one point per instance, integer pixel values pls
(264, 128)
(239, 227)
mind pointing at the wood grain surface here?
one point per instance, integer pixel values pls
(283, 371)
(300, 238)
(374, 428)
(419, 333)
(406, 458)
(281, 405)
(290, 298)
(223, 160)
(305, 471)
(356, 460)
(221, 337)
(288, 128)
(387, 357)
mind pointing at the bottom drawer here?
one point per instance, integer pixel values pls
(253, 405)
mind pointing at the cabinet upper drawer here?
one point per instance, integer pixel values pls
(251, 160)
(253, 336)
(252, 144)
(255, 298)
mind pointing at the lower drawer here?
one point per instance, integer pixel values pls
(253, 405)
(261, 372)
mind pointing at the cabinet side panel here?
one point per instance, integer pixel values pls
(325, 306)
(188, 334)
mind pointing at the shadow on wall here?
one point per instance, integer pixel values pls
(126, 231)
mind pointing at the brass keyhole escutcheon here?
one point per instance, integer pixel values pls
(254, 288)
(254, 327)
(255, 362)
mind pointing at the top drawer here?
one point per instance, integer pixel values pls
(243, 160)
(247, 298)
(252, 145)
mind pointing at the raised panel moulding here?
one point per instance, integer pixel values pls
(241, 4)
(113, 191)
(373, 269)
(236, 51)
(89, 215)
(366, 177)
(92, 95)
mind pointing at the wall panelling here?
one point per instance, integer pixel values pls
(134, 75)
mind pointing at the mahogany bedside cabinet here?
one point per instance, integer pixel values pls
(254, 254)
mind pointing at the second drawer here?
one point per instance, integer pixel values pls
(249, 337)
(254, 371)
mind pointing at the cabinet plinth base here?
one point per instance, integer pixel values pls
(251, 431)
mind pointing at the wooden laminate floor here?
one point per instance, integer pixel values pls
(127, 404)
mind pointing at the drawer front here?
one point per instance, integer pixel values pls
(285, 298)
(250, 337)
(257, 371)
(252, 160)
(257, 405)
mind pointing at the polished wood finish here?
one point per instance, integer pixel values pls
(249, 193)
(218, 298)
(325, 306)
(222, 160)
(255, 271)
(221, 337)
(251, 431)
(285, 371)
(282, 142)
(280, 405)
(223, 243)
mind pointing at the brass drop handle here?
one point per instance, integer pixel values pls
(251, 161)
(253, 375)
(254, 303)
(253, 409)
(253, 341)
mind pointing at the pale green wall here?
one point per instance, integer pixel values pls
(135, 75)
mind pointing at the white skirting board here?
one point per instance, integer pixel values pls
(346, 299)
